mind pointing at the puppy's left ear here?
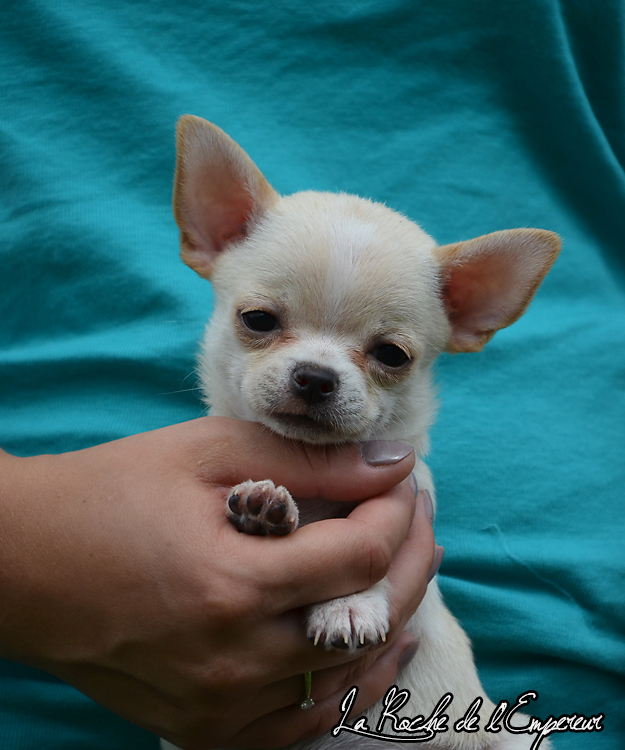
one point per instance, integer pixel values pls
(488, 282)
(218, 192)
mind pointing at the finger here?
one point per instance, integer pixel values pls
(330, 558)
(327, 681)
(290, 724)
(246, 450)
(408, 574)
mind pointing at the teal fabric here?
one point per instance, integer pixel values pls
(467, 115)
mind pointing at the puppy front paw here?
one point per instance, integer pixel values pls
(350, 622)
(262, 509)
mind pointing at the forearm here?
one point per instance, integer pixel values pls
(19, 542)
(35, 557)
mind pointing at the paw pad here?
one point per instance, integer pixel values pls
(262, 509)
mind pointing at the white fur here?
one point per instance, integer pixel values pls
(342, 275)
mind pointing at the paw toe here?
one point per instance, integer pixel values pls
(353, 622)
(234, 504)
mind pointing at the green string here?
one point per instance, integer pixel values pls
(308, 702)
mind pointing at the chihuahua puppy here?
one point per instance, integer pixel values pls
(330, 310)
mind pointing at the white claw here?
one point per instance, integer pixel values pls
(383, 637)
(316, 638)
(362, 640)
(345, 639)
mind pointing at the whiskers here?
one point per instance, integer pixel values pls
(195, 388)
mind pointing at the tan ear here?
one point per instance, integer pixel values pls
(490, 280)
(218, 192)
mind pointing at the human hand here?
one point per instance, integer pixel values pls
(122, 576)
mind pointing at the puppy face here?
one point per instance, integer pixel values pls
(329, 308)
(328, 316)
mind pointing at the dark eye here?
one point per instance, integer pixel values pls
(390, 355)
(260, 321)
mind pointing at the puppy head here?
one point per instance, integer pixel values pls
(330, 308)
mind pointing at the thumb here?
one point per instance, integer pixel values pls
(241, 450)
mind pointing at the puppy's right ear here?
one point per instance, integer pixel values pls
(218, 192)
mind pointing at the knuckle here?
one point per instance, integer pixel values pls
(228, 606)
(328, 465)
(379, 558)
(317, 466)
(357, 669)
(207, 690)
(214, 686)
(341, 678)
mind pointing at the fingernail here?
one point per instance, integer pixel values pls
(407, 655)
(429, 508)
(436, 562)
(384, 452)
(412, 481)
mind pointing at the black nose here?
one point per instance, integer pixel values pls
(314, 384)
